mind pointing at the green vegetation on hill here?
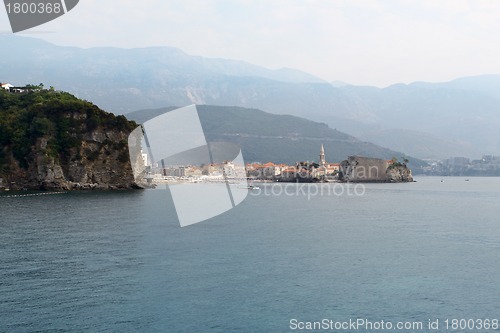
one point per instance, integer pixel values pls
(58, 116)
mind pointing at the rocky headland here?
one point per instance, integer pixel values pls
(373, 170)
(51, 140)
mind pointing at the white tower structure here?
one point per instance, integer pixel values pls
(322, 156)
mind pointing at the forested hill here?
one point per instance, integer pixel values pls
(53, 140)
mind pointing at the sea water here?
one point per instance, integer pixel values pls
(119, 261)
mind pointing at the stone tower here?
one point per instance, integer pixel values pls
(322, 156)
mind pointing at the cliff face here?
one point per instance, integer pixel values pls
(98, 163)
(399, 174)
(365, 169)
(64, 146)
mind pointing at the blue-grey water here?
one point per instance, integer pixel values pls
(119, 262)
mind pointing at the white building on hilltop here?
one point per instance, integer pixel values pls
(6, 86)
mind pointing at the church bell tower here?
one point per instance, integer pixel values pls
(322, 156)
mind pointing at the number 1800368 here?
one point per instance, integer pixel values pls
(34, 8)
(472, 324)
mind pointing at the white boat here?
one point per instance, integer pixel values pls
(250, 187)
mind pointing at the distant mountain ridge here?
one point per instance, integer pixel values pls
(461, 117)
(427, 120)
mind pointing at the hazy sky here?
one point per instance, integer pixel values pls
(370, 42)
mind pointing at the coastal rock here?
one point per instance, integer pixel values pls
(399, 174)
(67, 145)
(101, 167)
(374, 170)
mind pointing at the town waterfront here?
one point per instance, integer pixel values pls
(119, 262)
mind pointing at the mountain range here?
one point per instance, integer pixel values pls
(426, 120)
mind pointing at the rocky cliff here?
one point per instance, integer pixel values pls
(399, 174)
(365, 169)
(53, 141)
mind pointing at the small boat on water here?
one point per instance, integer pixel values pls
(253, 187)
(250, 187)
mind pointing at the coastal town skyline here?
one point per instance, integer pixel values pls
(257, 170)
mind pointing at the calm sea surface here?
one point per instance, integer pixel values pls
(119, 262)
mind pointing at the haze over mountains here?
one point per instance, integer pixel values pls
(426, 120)
(265, 137)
